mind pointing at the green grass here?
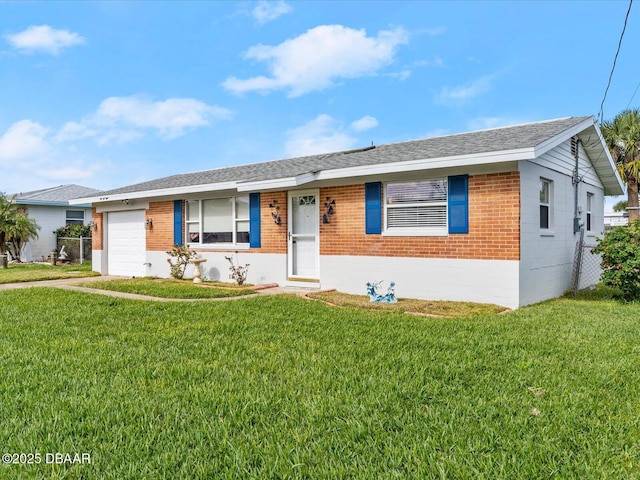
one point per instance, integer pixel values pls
(408, 305)
(166, 288)
(281, 387)
(28, 272)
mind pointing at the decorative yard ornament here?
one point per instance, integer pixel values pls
(374, 296)
(275, 208)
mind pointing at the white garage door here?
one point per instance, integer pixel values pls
(126, 243)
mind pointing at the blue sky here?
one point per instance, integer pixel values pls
(105, 94)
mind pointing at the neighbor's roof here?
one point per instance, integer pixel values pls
(518, 142)
(55, 196)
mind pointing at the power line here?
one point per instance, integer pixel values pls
(634, 94)
(614, 63)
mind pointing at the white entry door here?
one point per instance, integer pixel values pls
(304, 252)
(126, 243)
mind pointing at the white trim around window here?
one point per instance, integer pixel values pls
(416, 208)
(218, 222)
(74, 217)
(589, 213)
(546, 206)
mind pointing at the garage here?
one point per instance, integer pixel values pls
(127, 243)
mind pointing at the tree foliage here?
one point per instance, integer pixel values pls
(622, 135)
(620, 250)
(621, 206)
(16, 228)
(73, 231)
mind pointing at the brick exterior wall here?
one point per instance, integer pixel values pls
(160, 234)
(98, 233)
(273, 237)
(494, 225)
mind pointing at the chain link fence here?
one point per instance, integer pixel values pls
(74, 249)
(586, 266)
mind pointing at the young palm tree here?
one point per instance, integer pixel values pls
(21, 230)
(6, 213)
(622, 135)
(15, 227)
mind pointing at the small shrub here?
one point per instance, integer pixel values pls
(182, 255)
(73, 231)
(238, 272)
(620, 250)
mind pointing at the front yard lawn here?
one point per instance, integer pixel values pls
(32, 272)
(168, 288)
(281, 387)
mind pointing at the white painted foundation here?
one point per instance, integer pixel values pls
(482, 281)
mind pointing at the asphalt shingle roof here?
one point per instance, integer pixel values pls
(494, 140)
(59, 194)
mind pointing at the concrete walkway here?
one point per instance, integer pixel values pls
(75, 284)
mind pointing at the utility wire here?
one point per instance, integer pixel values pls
(614, 63)
(634, 94)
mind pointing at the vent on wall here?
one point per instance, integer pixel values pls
(574, 145)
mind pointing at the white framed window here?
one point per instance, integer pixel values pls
(416, 207)
(546, 204)
(589, 212)
(74, 217)
(218, 221)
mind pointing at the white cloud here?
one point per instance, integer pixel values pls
(74, 131)
(23, 140)
(435, 62)
(315, 59)
(45, 39)
(123, 119)
(402, 75)
(266, 11)
(30, 159)
(466, 92)
(433, 32)
(321, 135)
(365, 123)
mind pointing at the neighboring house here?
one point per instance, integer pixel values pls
(615, 219)
(51, 210)
(487, 216)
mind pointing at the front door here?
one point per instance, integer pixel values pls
(303, 243)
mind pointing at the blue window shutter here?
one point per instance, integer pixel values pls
(459, 204)
(254, 220)
(373, 207)
(177, 222)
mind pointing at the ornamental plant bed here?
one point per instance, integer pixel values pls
(220, 284)
(407, 305)
(167, 288)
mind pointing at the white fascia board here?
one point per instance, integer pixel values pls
(429, 164)
(274, 183)
(278, 183)
(616, 186)
(164, 192)
(50, 204)
(121, 207)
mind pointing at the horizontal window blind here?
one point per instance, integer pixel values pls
(416, 204)
(417, 216)
(417, 192)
